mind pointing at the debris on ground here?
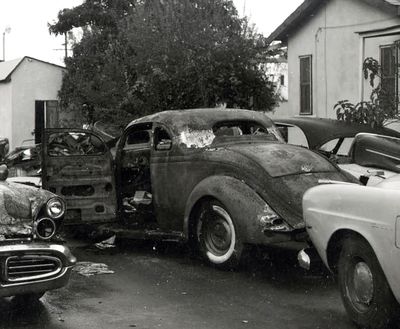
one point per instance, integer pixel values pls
(89, 268)
(105, 244)
(131, 204)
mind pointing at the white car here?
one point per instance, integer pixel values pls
(356, 231)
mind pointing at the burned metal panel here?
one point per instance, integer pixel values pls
(19, 206)
(295, 169)
(78, 166)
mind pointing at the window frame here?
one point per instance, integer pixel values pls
(307, 83)
(395, 74)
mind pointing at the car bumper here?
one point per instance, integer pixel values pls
(22, 284)
(308, 258)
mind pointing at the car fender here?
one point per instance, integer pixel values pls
(371, 212)
(244, 205)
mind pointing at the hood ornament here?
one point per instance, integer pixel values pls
(307, 167)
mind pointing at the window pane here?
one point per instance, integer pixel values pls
(388, 63)
(305, 85)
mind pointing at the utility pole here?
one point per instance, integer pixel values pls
(65, 46)
(6, 30)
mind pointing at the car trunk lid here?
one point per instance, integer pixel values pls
(293, 170)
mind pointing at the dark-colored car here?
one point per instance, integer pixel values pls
(327, 136)
(221, 178)
(32, 257)
(369, 154)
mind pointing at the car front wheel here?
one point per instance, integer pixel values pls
(217, 237)
(366, 294)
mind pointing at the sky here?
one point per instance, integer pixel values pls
(28, 22)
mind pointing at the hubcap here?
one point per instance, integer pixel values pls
(363, 283)
(217, 234)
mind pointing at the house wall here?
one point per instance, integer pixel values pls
(331, 37)
(5, 109)
(32, 80)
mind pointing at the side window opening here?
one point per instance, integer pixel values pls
(239, 128)
(135, 189)
(338, 146)
(293, 135)
(162, 139)
(138, 136)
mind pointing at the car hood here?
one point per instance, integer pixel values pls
(291, 172)
(19, 205)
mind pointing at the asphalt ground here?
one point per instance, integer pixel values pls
(166, 286)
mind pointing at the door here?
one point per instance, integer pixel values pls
(135, 199)
(39, 120)
(46, 116)
(77, 165)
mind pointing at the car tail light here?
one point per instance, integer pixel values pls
(270, 221)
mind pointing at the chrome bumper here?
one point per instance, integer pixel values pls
(307, 257)
(33, 284)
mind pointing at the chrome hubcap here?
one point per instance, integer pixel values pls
(363, 283)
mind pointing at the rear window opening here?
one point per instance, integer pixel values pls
(239, 128)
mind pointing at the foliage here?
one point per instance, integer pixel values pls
(382, 105)
(139, 57)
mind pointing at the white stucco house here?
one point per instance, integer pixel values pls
(327, 42)
(28, 98)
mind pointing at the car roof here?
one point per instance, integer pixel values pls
(318, 131)
(202, 118)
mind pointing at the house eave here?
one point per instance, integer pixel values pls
(308, 8)
(283, 31)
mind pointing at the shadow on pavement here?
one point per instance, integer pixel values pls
(17, 314)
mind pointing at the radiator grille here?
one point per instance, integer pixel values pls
(31, 267)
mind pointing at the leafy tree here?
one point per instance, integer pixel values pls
(140, 57)
(382, 106)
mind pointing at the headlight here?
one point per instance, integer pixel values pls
(45, 228)
(55, 208)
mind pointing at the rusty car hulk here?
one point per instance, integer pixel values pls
(220, 178)
(32, 257)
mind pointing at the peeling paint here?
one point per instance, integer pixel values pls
(196, 138)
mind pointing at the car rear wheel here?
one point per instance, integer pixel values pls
(217, 238)
(365, 292)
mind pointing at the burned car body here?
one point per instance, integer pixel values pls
(220, 178)
(77, 165)
(32, 259)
